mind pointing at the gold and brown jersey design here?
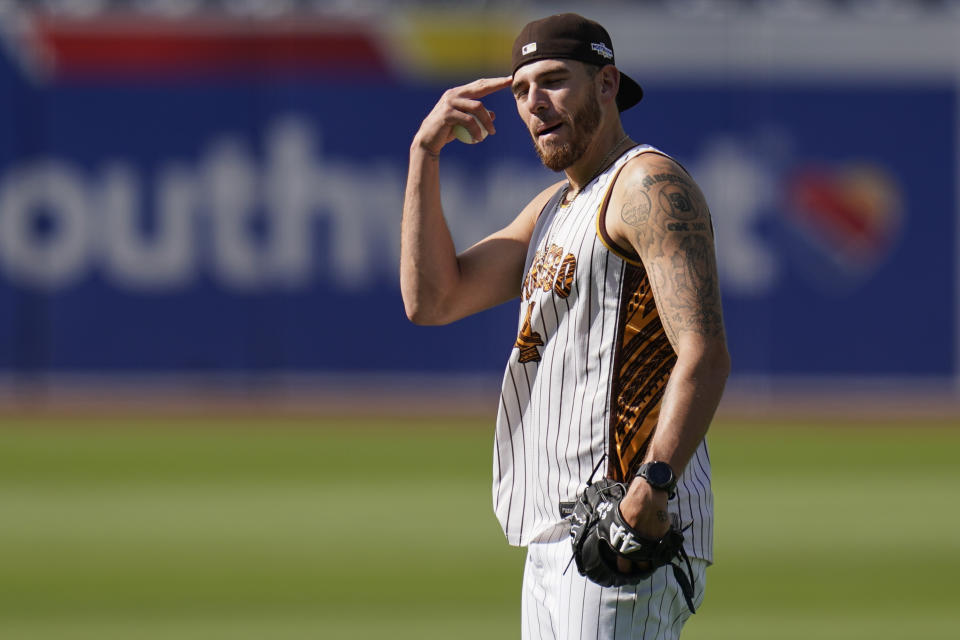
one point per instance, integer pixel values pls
(641, 368)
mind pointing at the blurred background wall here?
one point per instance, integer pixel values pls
(204, 197)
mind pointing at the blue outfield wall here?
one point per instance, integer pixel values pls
(254, 225)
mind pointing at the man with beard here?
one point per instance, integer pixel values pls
(620, 354)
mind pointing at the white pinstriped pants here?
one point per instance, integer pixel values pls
(558, 606)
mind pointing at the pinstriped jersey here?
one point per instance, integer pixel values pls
(585, 379)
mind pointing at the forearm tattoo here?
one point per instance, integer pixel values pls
(673, 235)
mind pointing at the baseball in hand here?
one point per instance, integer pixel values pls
(463, 135)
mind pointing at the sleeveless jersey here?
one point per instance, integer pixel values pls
(585, 378)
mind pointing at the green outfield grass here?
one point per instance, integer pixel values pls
(373, 529)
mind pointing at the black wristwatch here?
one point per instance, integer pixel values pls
(659, 475)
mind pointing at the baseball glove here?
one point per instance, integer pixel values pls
(601, 536)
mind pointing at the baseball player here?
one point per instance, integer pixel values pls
(619, 359)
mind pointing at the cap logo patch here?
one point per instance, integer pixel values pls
(528, 48)
(600, 48)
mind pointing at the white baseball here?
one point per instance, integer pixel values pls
(463, 135)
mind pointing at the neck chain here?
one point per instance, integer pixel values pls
(571, 194)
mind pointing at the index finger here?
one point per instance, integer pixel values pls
(486, 86)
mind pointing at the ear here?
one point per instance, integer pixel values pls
(608, 84)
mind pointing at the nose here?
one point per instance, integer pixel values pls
(536, 100)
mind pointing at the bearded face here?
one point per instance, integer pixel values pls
(583, 123)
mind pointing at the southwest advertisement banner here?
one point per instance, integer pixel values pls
(247, 218)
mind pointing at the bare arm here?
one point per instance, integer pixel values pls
(439, 286)
(658, 211)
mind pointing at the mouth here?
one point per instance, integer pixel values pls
(548, 129)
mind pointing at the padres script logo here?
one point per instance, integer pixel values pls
(551, 269)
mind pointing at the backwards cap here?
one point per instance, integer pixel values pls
(572, 37)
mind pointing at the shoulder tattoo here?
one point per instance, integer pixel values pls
(672, 232)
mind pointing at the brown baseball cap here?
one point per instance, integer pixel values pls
(572, 37)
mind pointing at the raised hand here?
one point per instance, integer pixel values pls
(459, 106)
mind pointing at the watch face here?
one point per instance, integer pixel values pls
(659, 474)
